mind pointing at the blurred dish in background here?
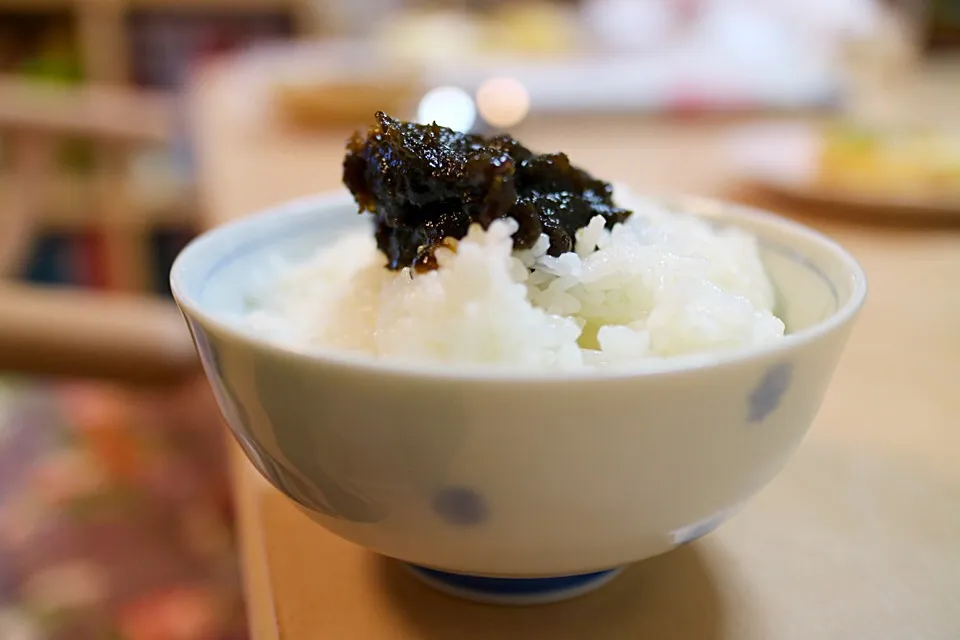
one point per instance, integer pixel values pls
(905, 165)
(600, 56)
(338, 103)
(597, 56)
(607, 56)
(912, 172)
(330, 85)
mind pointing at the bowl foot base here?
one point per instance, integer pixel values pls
(513, 591)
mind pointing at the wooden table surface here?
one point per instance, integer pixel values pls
(857, 539)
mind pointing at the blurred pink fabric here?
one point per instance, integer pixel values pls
(115, 518)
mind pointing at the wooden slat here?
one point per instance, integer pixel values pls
(34, 6)
(60, 331)
(38, 5)
(127, 252)
(102, 31)
(31, 157)
(227, 5)
(103, 112)
(66, 201)
(117, 120)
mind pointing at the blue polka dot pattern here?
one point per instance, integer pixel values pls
(460, 506)
(765, 399)
(300, 476)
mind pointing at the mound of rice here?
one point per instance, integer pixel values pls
(661, 284)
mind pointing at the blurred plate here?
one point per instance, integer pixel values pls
(333, 85)
(881, 173)
(331, 104)
(293, 79)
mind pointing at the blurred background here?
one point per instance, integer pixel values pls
(480, 64)
(470, 64)
(115, 514)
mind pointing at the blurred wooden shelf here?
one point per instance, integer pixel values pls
(44, 5)
(303, 12)
(141, 116)
(37, 6)
(70, 203)
(204, 5)
(128, 202)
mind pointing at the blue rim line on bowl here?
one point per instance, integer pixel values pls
(515, 591)
(220, 254)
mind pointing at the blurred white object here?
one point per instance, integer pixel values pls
(873, 43)
(784, 153)
(449, 107)
(825, 20)
(629, 24)
(758, 36)
(707, 73)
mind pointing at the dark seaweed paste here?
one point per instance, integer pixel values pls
(426, 184)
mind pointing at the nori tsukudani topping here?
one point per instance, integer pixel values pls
(427, 183)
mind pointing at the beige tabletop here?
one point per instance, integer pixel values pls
(857, 539)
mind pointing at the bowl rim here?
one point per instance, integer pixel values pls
(705, 207)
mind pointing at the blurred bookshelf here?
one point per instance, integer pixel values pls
(149, 45)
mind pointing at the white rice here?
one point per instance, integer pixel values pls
(661, 284)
